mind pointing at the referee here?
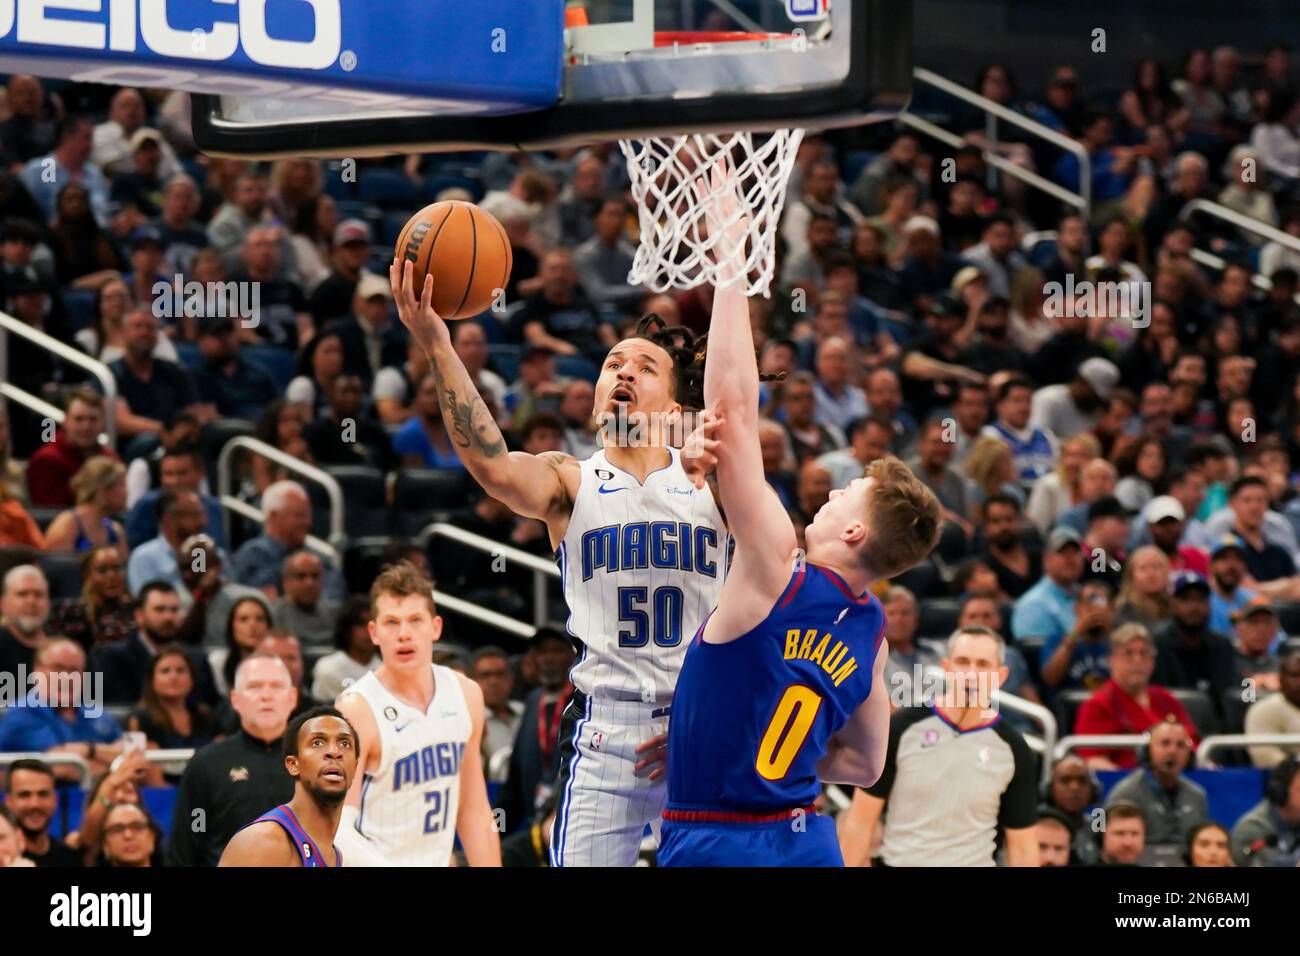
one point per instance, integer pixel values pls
(233, 782)
(954, 775)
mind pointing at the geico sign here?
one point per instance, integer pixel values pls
(40, 22)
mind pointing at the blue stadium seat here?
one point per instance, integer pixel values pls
(575, 366)
(335, 185)
(365, 508)
(937, 617)
(389, 188)
(43, 516)
(421, 494)
(63, 571)
(80, 304)
(277, 362)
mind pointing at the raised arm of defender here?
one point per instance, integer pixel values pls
(535, 486)
(763, 531)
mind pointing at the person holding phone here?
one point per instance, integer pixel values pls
(1081, 659)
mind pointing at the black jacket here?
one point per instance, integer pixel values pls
(356, 359)
(226, 786)
(1215, 651)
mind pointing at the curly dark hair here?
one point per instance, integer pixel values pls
(689, 353)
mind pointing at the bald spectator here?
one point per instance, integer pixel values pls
(1277, 713)
(69, 162)
(180, 515)
(52, 466)
(869, 440)
(112, 139)
(24, 612)
(285, 645)
(1128, 703)
(1097, 481)
(838, 401)
(1171, 804)
(809, 436)
(265, 258)
(62, 713)
(778, 461)
(259, 561)
(1071, 789)
(304, 610)
(1066, 410)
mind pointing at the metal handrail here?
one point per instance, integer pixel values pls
(1239, 220)
(491, 618)
(1038, 714)
(498, 764)
(1210, 260)
(540, 567)
(1104, 741)
(73, 356)
(1220, 741)
(54, 760)
(231, 503)
(310, 472)
(1082, 199)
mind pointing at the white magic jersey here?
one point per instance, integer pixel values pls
(642, 567)
(408, 805)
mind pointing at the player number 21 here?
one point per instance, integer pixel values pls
(797, 711)
(665, 615)
(435, 821)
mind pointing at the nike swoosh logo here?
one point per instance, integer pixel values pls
(404, 726)
(609, 491)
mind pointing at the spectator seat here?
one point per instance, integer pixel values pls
(421, 494)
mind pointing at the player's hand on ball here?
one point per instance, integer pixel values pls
(655, 762)
(417, 314)
(699, 454)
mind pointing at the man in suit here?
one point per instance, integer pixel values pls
(125, 664)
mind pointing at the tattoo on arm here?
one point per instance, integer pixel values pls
(470, 423)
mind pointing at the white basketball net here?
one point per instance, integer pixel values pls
(678, 249)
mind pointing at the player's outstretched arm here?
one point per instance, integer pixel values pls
(856, 753)
(262, 844)
(754, 513)
(475, 824)
(531, 485)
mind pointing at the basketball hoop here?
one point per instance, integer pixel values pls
(677, 249)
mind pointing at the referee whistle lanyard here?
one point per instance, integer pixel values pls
(548, 732)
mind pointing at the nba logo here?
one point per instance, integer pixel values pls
(930, 738)
(800, 10)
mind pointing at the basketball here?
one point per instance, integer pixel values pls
(464, 250)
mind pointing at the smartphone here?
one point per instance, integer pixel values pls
(133, 740)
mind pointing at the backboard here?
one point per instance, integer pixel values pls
(619, 69)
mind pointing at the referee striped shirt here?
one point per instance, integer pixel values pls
(948, 791)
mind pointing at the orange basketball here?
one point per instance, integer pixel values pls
(464, 250)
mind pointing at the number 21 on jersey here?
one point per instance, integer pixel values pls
(787, 731)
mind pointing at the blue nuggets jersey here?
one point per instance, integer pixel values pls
(308, 852)
(751, 719)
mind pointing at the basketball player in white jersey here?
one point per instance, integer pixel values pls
(642, 552)
(420, 727)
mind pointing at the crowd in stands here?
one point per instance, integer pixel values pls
(1119, 485)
